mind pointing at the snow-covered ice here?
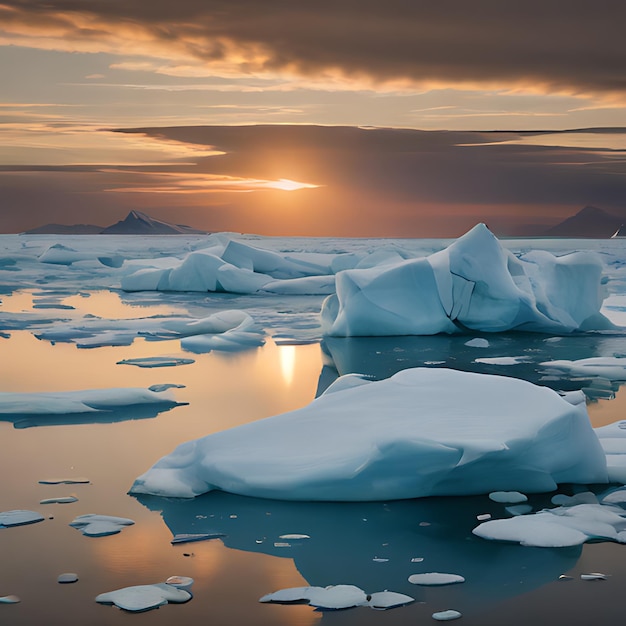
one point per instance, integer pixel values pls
(144, 597)
(94, 525)
(494, 433)
(474, 284)
(19, 517)
(447, 615)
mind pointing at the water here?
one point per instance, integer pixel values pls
(367, 544)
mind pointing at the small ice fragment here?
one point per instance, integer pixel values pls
(553, 339)
(19, 517)
(518, 509)
(156, 361)
(435, 578)
(388, 600)
(282, 544)
(189, 537)
(565, 577)
(483, 516)
(60, 500)
(417, 559)
(593, 576)
(292, 594)
(93, 525)
(12, 599)
(144, 597)
(294, 536)
(69, 577)
(164, 387)
(507, 497)
(445, 616)
(615, 497)
(338, 597)
(379, 560)
(180, 582)
(424, 523)
(64, 481)
(477, 342)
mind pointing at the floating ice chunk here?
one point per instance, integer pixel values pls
(493, 433)
(593, 576)
(475, 283)
(180, 582)
(337, 597)
(144, 597)
(503, 360)
(435, 579)
(446, 616)
(190, 537)
(292, 594)
(165, 386)
(294, 537)
(483, 517)
(612, 368)
(59, 500)
(11, 599)
(560, 527)
(19, 517)
(388, 600)
(156, 361)
(94, 525)
(67, 578)
(84, 401)
(615, 497)
(64, 481)
(508, 497)
(477, 342)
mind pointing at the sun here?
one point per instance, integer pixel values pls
(285, 184)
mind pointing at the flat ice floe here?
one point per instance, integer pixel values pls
(560, 527)
(19, 517)
(83, 401)
(144, 597)
(404, 437)
(473, 284)
(94, 525)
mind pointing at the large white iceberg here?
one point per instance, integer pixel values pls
(474, 284)
(422, 432)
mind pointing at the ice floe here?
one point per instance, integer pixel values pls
(335, 597)
(493, 433)
(567, 525)
(446, 616)
(67, 578)
(156, 361)
(433, 579)
(144, 597)
(94, 525)
(10, 599)
(611, 368)
(19, 517)
(473, 284)
(59, 500)
(64, 481)
(508, 497)
(83, 401)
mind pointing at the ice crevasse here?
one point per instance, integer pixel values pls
(404, 437)
(473, 284)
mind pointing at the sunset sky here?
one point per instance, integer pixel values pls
(325, 118)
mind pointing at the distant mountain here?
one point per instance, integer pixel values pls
(65, 229)
(588, 222)
(135, 223)
(138, 223)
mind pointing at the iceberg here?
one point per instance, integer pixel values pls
(473, 285)
(403, 437)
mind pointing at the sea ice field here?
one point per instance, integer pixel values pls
(237, 429)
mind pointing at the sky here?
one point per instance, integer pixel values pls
(327, 118)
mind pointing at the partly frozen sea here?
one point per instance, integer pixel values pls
(67, 326)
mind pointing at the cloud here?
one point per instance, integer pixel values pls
(357, 181)
(538, 45)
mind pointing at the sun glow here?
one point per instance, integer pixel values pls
(285, 184)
